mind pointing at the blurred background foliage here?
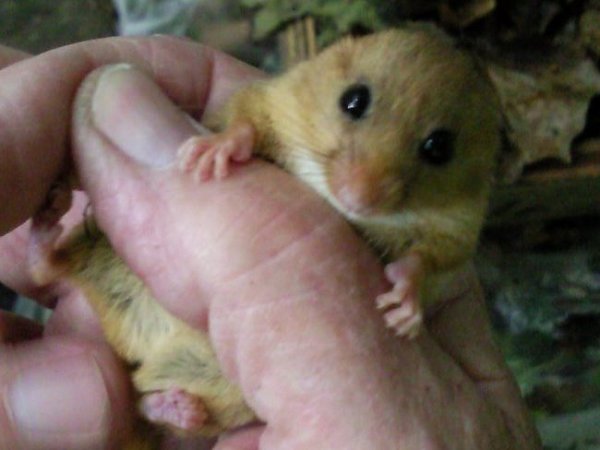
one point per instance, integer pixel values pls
(542, 278)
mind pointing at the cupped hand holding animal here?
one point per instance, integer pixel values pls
(281, 282)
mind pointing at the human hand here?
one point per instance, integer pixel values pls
(59, 389)
(287, 291)
(306, 346)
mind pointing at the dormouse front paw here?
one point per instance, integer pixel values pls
(209, 156)
(402, 305)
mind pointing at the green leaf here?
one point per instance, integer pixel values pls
(266, 22)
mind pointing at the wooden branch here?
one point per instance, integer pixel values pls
(551, 191)
(298, 41)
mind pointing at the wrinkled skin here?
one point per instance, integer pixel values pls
(284, 286)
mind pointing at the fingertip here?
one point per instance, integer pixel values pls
(62, 393)
(131, 114)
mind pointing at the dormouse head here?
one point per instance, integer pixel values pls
(396, 121)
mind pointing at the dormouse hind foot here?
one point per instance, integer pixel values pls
(402, 305)
(58, 202)
(44, 233)
(209, 156)
(175, 408)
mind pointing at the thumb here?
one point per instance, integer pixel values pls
(61, 393)
(126, 133)
(171, 231)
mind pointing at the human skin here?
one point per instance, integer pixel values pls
(282, 282)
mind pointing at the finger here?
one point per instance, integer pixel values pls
(44, 383)
(37, 93)
(14, 268)
(14, 328)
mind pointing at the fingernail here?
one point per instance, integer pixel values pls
(64, 399)
(131, 111)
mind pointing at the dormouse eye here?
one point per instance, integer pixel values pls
(355, 101)
(438, 148)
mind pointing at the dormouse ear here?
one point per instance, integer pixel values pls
(508, 164)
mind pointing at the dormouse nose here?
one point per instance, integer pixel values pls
(359, 187)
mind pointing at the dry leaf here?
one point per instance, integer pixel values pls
(544, 109)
